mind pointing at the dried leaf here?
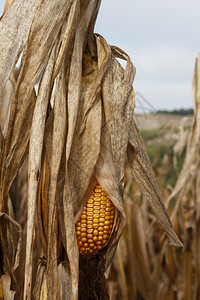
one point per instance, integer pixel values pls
(118, 101)
(35, 151)
(16, 22)
(194, 137)
(40, 290)
(19, 145)
(6, 220)
(70, 234)
(5, 105)
(65, 281)
(8, 294)
(145, 178)
(58, 138)
(86, 143)
(105, 174)
(75, 77)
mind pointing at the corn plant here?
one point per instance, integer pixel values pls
(67, 129)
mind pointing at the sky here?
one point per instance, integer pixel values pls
(162, 39)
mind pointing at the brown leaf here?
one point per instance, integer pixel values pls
(65, 280)
(119, 103)
(58, 138)
(74, 83)
(5, 104)
(19, 143)
(106, 175)
(6, 219)
(42, 37)
(40, 288)
(16, 22)
(66, 37)
(193, 140)
(8, 294)
(70, 237)
(86, 143)
(1, 149)
(35, 152)
(145, 178)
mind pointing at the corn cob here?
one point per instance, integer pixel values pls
(95, 224)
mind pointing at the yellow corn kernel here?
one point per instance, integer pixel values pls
(94, 227)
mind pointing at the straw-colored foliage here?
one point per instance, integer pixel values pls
(66, 114)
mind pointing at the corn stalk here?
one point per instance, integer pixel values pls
(67, 115)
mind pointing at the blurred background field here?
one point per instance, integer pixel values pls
(165, 135)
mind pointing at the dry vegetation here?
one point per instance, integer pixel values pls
(58, 141)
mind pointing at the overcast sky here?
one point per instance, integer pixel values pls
(162, 38)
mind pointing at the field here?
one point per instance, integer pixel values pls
(165, 136)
